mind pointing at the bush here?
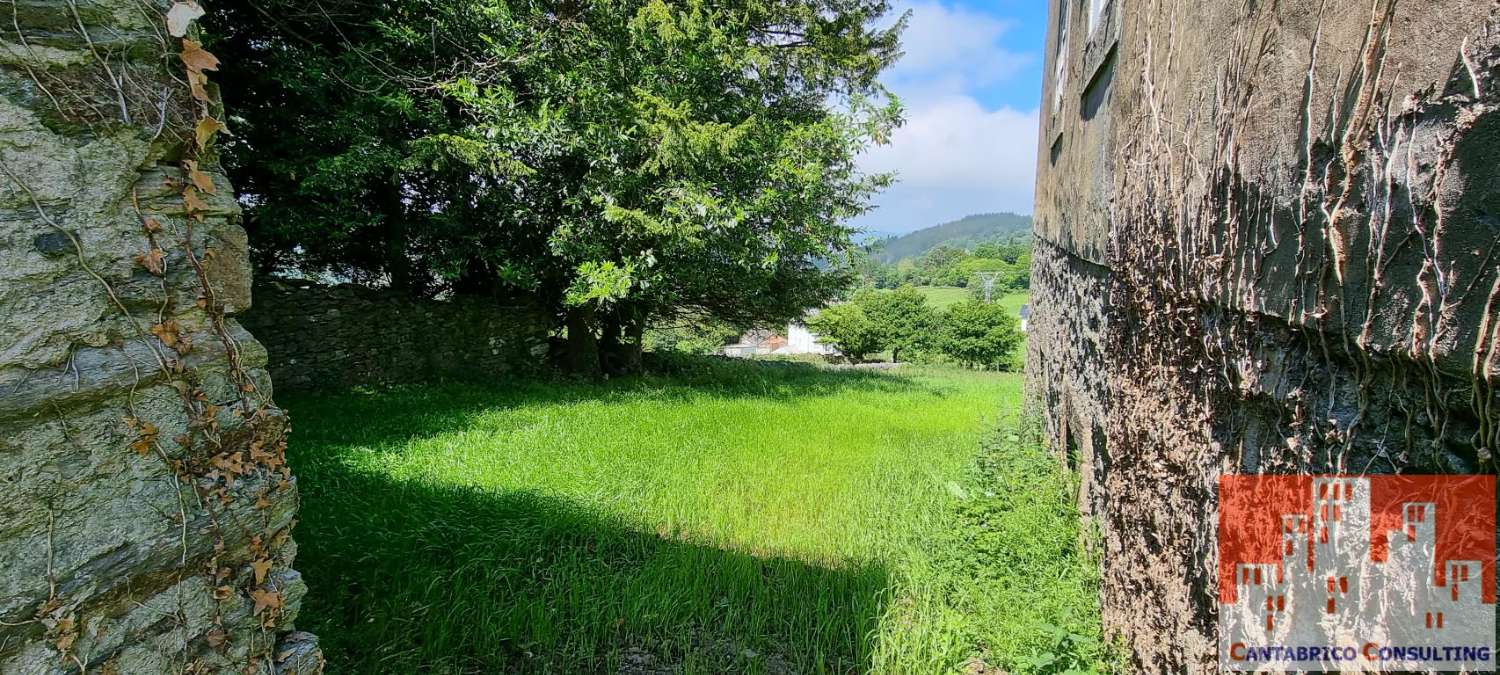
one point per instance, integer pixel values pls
(1017, 523)
(703, 336)
(902, 318)
(847, 328)
(980, 335)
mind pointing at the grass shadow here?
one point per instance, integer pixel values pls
(409, 577)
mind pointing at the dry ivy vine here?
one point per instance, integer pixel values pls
(1193, 233)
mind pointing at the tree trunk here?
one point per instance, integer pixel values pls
(397, 262)
(620, 343)
(583, 346)
(895, 355)
(609, 343)
(631, 350)
(476, 280)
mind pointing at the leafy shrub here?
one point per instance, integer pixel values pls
(849, 329)
(902, 318)
(980, 335)
(705, 336)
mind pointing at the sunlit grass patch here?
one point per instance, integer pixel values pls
(943, 296)
(730, 517)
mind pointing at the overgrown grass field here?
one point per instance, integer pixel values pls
(730, 517)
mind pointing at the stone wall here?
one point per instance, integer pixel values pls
(323, 337)
(1270, 243)
(147, 507)
(1065, 349)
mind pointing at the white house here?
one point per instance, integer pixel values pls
(800, 340)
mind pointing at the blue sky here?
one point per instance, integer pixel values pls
(971, 81)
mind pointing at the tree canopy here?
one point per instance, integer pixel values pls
(950, 265)
(849, 329)
(618, 161)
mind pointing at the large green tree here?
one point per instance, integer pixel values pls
(621, 161)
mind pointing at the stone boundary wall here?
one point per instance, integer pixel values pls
(147, 505)
(335, 337)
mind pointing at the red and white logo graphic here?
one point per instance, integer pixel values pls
(1357, 573)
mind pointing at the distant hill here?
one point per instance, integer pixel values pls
(963, 233)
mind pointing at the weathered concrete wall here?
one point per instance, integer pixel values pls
(322, 337)
(1271, 243)
(147, 505)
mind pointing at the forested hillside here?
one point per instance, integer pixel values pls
(962, 233)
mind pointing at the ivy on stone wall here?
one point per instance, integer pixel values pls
(138, 81)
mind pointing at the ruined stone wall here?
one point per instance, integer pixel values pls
(1270, 243)
(322, 337)
(147, 505)
(1065, 349)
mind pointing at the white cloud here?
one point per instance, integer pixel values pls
(954, 157)
(955, 142)
(952, 45)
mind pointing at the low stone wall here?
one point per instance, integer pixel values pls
(333, 337)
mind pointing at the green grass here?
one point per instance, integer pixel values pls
(732, 517)
(1013, 301)
(943, 296)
